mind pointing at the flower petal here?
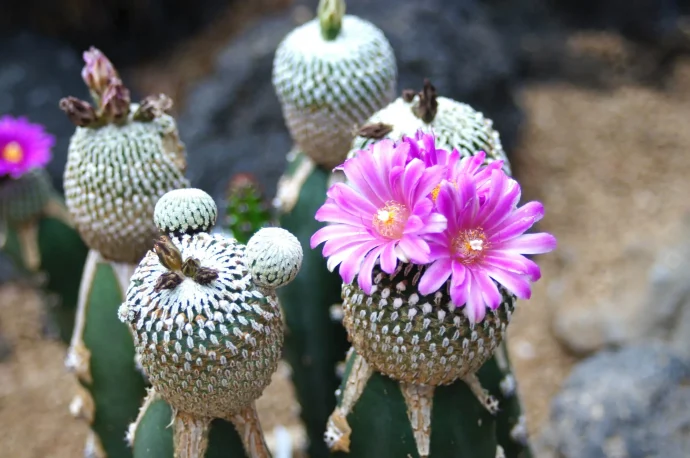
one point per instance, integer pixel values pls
(364, 279)
(538, 243)
(435, 276)
(389, 258)
(516, 284)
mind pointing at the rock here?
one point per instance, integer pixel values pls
(6, 348)
(628, 403)
(233, 122)
(127, 31)
(652, 301)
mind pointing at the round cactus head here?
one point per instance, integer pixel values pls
(205, 317)
(430, 248)
(274, 257)
(185, 211)
(122, 158)
(330, 74)
(454, 125)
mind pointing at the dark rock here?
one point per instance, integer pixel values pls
(128, 31)
(233, 122)
(632, 403)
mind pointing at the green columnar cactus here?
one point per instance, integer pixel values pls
(207, 326)
(247, 209)
(330, 75)
(122, 158)
(455, 126)
(37, 234)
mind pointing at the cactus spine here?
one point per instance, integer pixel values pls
(122, 158)
(37, 234)
(207, 325)
(374, 386)
(330, 75)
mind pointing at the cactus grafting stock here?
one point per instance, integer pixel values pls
(425, 349)
(122, 158)
(35, 228)
(207, 324)
(330, 74)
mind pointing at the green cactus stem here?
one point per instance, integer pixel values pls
(206, 322)
(247, 210)
(122, 158)
(101, 354)
(331, 74)
(38, 236)
(315, 342)
(151, 436)
(457, 125)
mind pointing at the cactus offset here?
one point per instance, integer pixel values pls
(207, 324)
(247, 210)
(122, 158)
(331, 74)
(428, 292)
(35, 229)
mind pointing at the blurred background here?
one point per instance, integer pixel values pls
(592, 101)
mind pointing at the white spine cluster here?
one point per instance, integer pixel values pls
(185, 211)
(274, 257)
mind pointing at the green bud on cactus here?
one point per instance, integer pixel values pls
(118, 166)
(247, 210)
(330, 75)
(210, 340)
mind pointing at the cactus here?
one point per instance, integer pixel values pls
(457, 126)
(122, 158)
(207, 327)
(247, 210)
(330, 75)
(38, 236)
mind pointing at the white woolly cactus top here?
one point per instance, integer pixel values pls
(274, 256)
(185, 211)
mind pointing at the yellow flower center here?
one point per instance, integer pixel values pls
(470, 245)
(390, 220)
(437, 189)
(12, 152)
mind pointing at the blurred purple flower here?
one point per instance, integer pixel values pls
(23, 146)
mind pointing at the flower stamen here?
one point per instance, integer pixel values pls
(12, 152)
(390, 220)
(470, 245)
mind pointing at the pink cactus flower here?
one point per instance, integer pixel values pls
(382, 214)
(485, 242)
(23, 146)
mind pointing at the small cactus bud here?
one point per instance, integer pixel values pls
(115, 103)
(152, 107)
(168, 254)
(80, 112)
(375, 131)
(185, 211)
(330, 13)
(408, 95)
(274, 256)
(98, 71)
(428, 105)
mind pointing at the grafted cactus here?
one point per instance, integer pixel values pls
(430, 249)
(330, 75)
(207, 326)
(247, 209)
(122, 158)
(35, 229)
(457, 126)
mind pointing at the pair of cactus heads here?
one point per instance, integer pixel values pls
(206, 321)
